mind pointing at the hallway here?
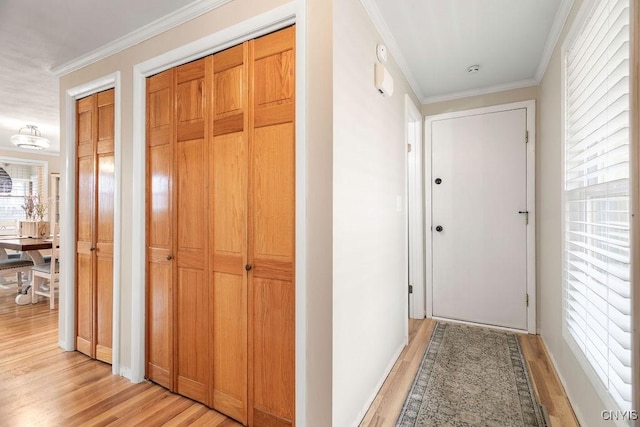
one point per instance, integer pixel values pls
(42, 385)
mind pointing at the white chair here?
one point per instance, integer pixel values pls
(47, 271)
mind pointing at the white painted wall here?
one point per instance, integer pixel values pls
(369, 232)
(584, 399)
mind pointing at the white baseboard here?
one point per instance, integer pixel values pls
(576, 411)
(377, 388)
(126, 373)
(62, 344)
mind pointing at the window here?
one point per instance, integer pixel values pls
(597, 304)
(27, 177)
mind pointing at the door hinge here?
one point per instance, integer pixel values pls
(526, 137)
(526, 214)
(410, 289)
(527, 300)
(408, 148)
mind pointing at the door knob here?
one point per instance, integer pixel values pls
(438, 181)
(169, 257)
(92, 249)
(439, 229)
(248, 267)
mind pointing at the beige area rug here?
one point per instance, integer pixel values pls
(471, 376)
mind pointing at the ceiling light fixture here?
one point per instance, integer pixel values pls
(473, 69)
(29, 137)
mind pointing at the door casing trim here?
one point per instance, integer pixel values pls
(530, 107)
(415, 218)
(67, 300)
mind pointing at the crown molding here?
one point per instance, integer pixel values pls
(480, 91)
(552, 39)
(381, 25)
(143, 33)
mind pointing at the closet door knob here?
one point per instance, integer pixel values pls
(92, 248)
(169, 257)
(248, 267)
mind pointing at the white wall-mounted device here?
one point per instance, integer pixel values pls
(381, 53)
(384, 81)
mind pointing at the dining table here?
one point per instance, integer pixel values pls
(30, 247)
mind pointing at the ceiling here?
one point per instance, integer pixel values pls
(36, 37)
(434, 41)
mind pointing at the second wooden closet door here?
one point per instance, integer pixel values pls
(220, 233)
(94, 229)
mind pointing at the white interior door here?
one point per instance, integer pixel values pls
(479, 236)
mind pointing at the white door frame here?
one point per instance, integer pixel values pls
(531, 227)
(67, 313)
(413, 121)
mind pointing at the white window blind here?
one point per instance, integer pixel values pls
(597, 218)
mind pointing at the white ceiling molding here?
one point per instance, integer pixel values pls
(552, 39)
(388, 39)
(481, 91)
(146, 32)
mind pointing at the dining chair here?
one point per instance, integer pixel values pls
(48, 271)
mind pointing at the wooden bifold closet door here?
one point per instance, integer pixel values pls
(95, 186)
(220, 230)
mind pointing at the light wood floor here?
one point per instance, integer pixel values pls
(388, 403)
(41, 385)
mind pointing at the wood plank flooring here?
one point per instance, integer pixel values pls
(388, 403)
(41, 385)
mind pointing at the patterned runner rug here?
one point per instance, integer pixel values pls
(471, 376)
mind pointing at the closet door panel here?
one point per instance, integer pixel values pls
(274, 368)
(230, 345)
(229, 162)
(84, 306)
(85, 200)
(190, 100)
(104, 306)
(273, 195)
(192, 334)
(160, 226)
(104, 257)
(193, 285)
(273, 288)
(272, 231)
(104, 225)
